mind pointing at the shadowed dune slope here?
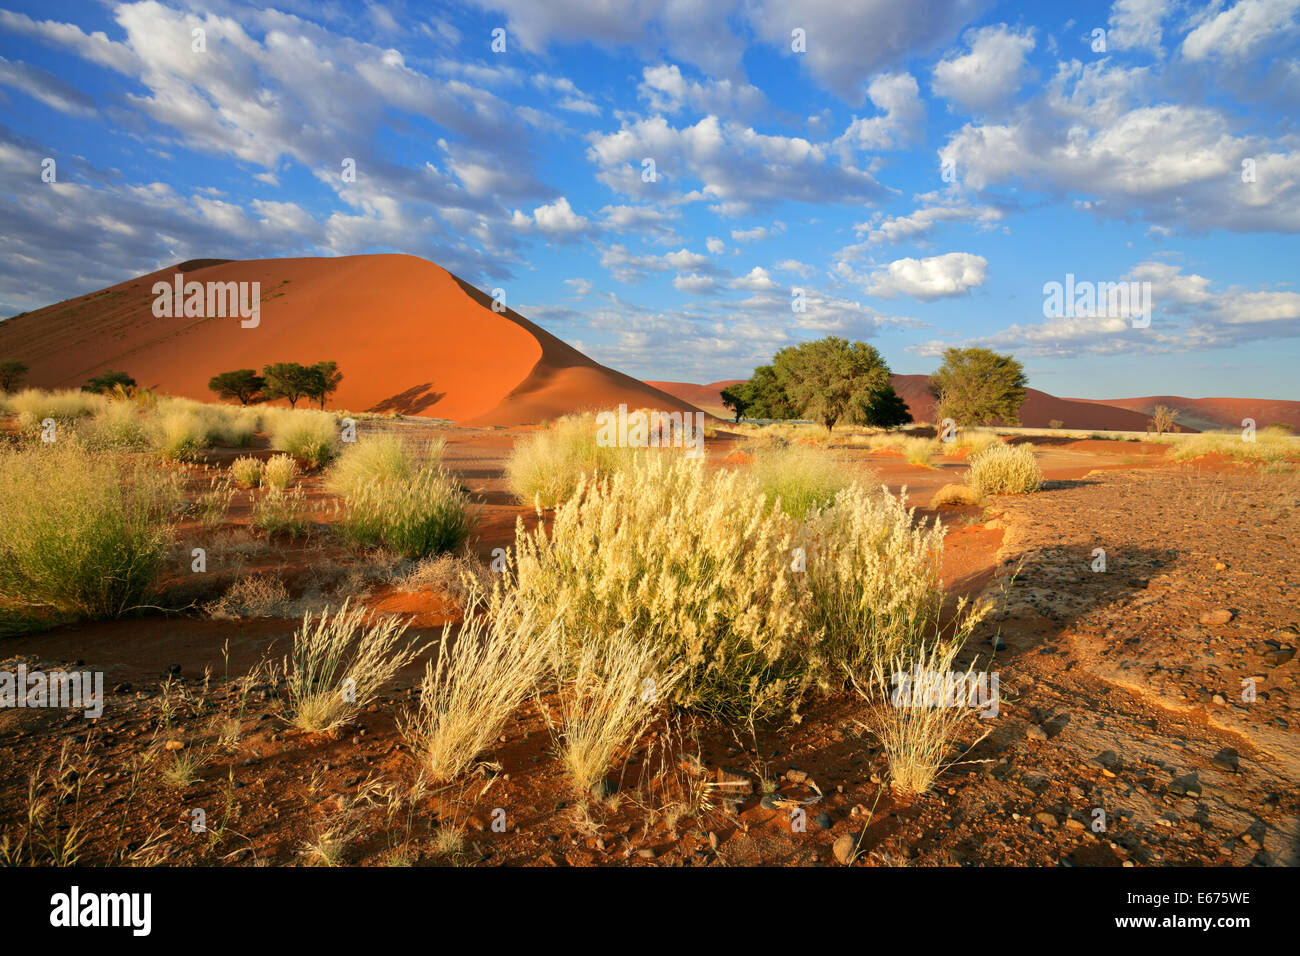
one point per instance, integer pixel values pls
(408, 336)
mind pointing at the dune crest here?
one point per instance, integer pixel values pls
(408, 336)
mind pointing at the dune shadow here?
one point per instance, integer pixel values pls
(410, 402)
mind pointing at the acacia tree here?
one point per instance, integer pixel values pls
(325, 378)
(735, 398)
(243, 384)
(12, 373)
(289, 380)
(833, 379)
(108, 381)
(977, 386)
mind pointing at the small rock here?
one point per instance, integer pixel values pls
(174, 745)
(796, 776)
(1046, 819)
(1034, 732)
(646, 853)
(823, 820)
(1218, 616)
(1073, 824)
(1226, 760)
(844, 849)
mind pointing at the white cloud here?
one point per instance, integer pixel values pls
(758, 280)
(1136, 25)
(990, 74)
(935, 277)
(1242, 30)
(665, 90)
(921, 223)
(899, 97)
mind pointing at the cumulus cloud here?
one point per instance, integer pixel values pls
(920, 223)
(935, 277)
(1136, 25)
(1242, 30)
(898, 96)
(1091, 134)
(988, 75)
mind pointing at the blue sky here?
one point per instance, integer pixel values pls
(918, 170)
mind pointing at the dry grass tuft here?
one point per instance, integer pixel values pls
(339, 664)
(1005, 470)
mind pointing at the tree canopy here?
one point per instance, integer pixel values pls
(976, 386)
(12, 373)
(107, 381)
(243, 384)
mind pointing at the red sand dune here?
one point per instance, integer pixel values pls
(1207, 413)
(408, 336)
(1039, 411)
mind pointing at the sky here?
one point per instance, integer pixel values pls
(681, 187)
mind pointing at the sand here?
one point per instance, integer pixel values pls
(408, 336)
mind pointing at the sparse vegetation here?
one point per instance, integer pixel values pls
(800, 477)
(380, 458)
(81, 532)
(279, 472)
(976, 386)
(247, 472)
(311, 436)
(338, 665)
(545, 468)
(426, 514)
(1005, 470)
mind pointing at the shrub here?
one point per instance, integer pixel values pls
(63, 406)
(212, 505)
(311, 436)
(956, 496)
(917, 451)
(494, 664)
(279, 511)
(617, 686)
(427, 514)
(81, 531)
(972, 442)
(249, 597)
(180, 435)
(279, 472)
(1005, 470)
(691, 559)
(333, 673)
(375, 457)
(802, 478)
(545, 468)
(917, 735)
(873, 583)
(116, 427)
(247, 472)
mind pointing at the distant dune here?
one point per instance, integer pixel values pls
(408, 336)
(1203, 414)
(1041, 409)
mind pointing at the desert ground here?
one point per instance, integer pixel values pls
(1149, 712)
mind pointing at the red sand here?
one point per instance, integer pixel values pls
(408, 336)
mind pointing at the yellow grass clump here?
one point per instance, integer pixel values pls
(279, 473)
(338, 665)
(545, 468)
(309, 435)
(81, 531)
(478, 680)
(1005, 470)
(801, 477)
(1270, 445)
(247, 472)
(374, 457)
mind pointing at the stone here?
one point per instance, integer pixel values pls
(1046, 819)
(1226, 760)
(1218, 616)
(174, 745)
(844, 849)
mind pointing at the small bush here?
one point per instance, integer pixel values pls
(917, 735)
(545, 468)
(80, 531)
(1270, 445)
(972, 442)
(495, 663)
(212, 505)
(311, 436)
(180, 436)
(955, 496)
(427, 514)
(247, 472)
(250, 597)
(617, 687)
(277, 511)
(802, 477)
(279, 472)
(1005, 470)
(374, 457)
(339, 664)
